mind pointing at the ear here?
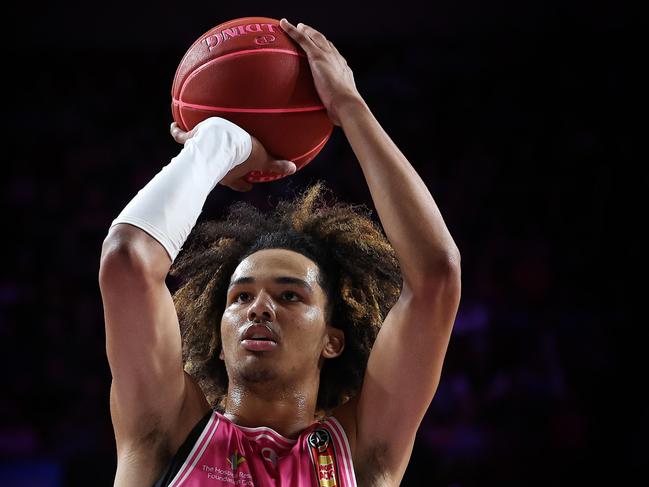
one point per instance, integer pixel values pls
(221, 354)
(335, 342)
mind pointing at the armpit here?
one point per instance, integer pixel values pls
(371, 468)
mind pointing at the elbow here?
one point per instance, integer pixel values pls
(119, 259)
(446, 265)
(131, 249)
(120, 247)
(443, 273)
(453, 259)
(120, 242)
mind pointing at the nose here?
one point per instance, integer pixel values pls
(261, 308)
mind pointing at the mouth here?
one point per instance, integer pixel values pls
(258, 345)
(263, 333)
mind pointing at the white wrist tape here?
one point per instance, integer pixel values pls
(168, 207)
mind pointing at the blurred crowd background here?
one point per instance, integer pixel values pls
(515, 116)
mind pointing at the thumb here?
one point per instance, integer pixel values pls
(283, 167)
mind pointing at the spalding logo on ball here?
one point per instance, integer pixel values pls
(249, 71)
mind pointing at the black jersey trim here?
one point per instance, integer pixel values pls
(181, 455)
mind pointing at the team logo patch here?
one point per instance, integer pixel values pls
(319, 439)
(324, 458)
(235, 460)
(270, 455)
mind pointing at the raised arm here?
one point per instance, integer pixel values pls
(405, 364)
(143, 346)
(154, 403)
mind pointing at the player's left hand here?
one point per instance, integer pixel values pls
(333, 78)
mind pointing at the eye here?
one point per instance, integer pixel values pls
(292, 293)
(236, 296)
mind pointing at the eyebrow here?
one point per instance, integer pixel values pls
(278, 280)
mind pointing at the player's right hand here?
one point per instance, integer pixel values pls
(259, 160)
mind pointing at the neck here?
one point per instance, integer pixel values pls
(288, 412)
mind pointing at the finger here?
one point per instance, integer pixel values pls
(333, 48)
(318, 38)
(282, 167)
(302, 39)
(177, 133)
(336, 52)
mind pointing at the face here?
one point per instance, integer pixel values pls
(278, 288)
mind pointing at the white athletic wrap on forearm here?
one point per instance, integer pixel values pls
(168, 207)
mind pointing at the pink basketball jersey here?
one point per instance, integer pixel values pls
(226, 454)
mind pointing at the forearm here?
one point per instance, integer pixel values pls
(411, 219)
(168, 207)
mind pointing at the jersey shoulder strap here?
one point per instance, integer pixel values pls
(181, 455)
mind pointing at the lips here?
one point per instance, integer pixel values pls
(261, 332)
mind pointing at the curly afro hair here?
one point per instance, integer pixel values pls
(358, 270)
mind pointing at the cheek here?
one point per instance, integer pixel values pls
(310, 328)
(226, 327)
(312, 316)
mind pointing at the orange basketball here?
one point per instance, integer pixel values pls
(252, 73)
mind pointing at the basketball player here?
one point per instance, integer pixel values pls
(303, 348)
